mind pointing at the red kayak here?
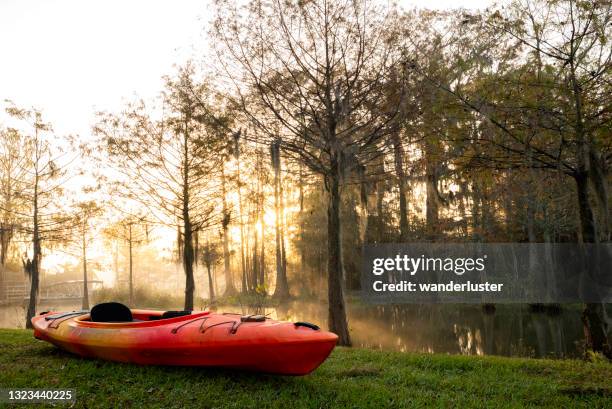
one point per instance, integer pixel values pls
(248, 342)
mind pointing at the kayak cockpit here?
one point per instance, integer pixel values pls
(115, 315)
(117, 312)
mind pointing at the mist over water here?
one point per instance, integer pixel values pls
(512, 330)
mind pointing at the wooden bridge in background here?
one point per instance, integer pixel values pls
(72, 290)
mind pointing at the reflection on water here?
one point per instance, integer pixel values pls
(512, 330)
(13, 316)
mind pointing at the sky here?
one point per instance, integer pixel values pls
(71, 58)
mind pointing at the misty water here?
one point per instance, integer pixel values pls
(511, 330)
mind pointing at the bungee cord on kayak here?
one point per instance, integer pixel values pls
(204, 318)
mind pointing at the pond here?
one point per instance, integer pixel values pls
(510, 330)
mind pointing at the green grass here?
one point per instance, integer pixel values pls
(350, 378)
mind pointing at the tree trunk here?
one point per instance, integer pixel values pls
(463, 220)
(255, 263)
(594, 317)
(337, 311)
(248, 276)
(587, 220)
(131, 277)
(85, 305)
(244, 287)
(599, 178)
(229, 282)
(398, 152)
(196, 246)
(188, 256)
(36, 257)
(188, 262)
(283, 225)
(380, 221)
(262, 255)
(179, 241)
(215, 282)
(476, 212)
(6, 232)
(432, 204)
(211, 287)
(281, 290)
(256, 266)
(531, 232)
(364, 214)
(301, 214)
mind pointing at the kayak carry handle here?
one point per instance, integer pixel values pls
(252, 318)
(307, 325)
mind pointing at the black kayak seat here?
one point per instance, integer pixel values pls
(110, 312)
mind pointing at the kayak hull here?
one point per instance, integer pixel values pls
(200, 339)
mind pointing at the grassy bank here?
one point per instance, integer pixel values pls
(353, 378)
